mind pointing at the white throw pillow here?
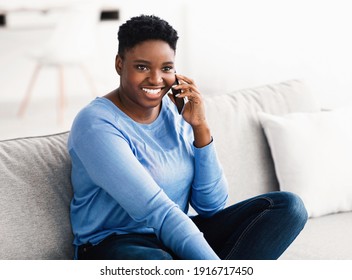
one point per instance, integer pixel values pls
(312, 153)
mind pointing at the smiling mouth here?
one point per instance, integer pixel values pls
(152, 91)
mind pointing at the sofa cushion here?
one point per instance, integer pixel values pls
(240, 141)
(324, 238)
(35, 194)
(313, 157)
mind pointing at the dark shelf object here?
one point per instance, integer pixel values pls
(109, 15)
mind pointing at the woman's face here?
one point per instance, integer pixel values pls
(146, 74)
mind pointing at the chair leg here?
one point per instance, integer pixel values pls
(62, 100)
(89, 78)
(28, 94)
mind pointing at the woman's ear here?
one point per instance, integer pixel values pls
(118, 64)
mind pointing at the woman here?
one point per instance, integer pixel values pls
(137, 165)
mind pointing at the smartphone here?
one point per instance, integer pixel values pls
(180, 102)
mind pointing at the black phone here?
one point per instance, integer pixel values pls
(180, 102)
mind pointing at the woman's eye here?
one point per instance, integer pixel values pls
(141, 67)
(167, 68)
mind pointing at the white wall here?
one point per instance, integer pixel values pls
(236, 44)
(224, 45)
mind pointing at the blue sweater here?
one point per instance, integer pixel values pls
(140, 178)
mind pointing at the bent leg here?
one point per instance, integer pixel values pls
(261, 227)
(126, 247)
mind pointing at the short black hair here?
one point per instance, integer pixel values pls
(142, 28)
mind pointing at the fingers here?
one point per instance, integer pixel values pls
(194, 111)
(185, 79)
(187, 86)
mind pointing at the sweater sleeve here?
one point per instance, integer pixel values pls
(209, 188)
(110, 163)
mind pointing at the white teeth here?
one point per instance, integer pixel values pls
(152, 91)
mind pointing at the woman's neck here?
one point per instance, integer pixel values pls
(140, 115)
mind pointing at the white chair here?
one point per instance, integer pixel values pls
(71, 44)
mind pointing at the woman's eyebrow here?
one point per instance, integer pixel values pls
(148, 62)
(168, 63)
(141, 61)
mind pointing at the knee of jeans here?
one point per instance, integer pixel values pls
(296, 208)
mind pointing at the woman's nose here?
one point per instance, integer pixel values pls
(155, 77)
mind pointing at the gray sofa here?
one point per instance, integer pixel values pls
(36, 191)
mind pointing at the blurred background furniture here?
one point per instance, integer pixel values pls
(72, 44)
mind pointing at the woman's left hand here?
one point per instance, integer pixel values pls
(194, 110)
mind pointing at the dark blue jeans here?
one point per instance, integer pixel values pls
(258, 228)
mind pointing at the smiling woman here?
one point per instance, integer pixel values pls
(147, 74)
(137, 166)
